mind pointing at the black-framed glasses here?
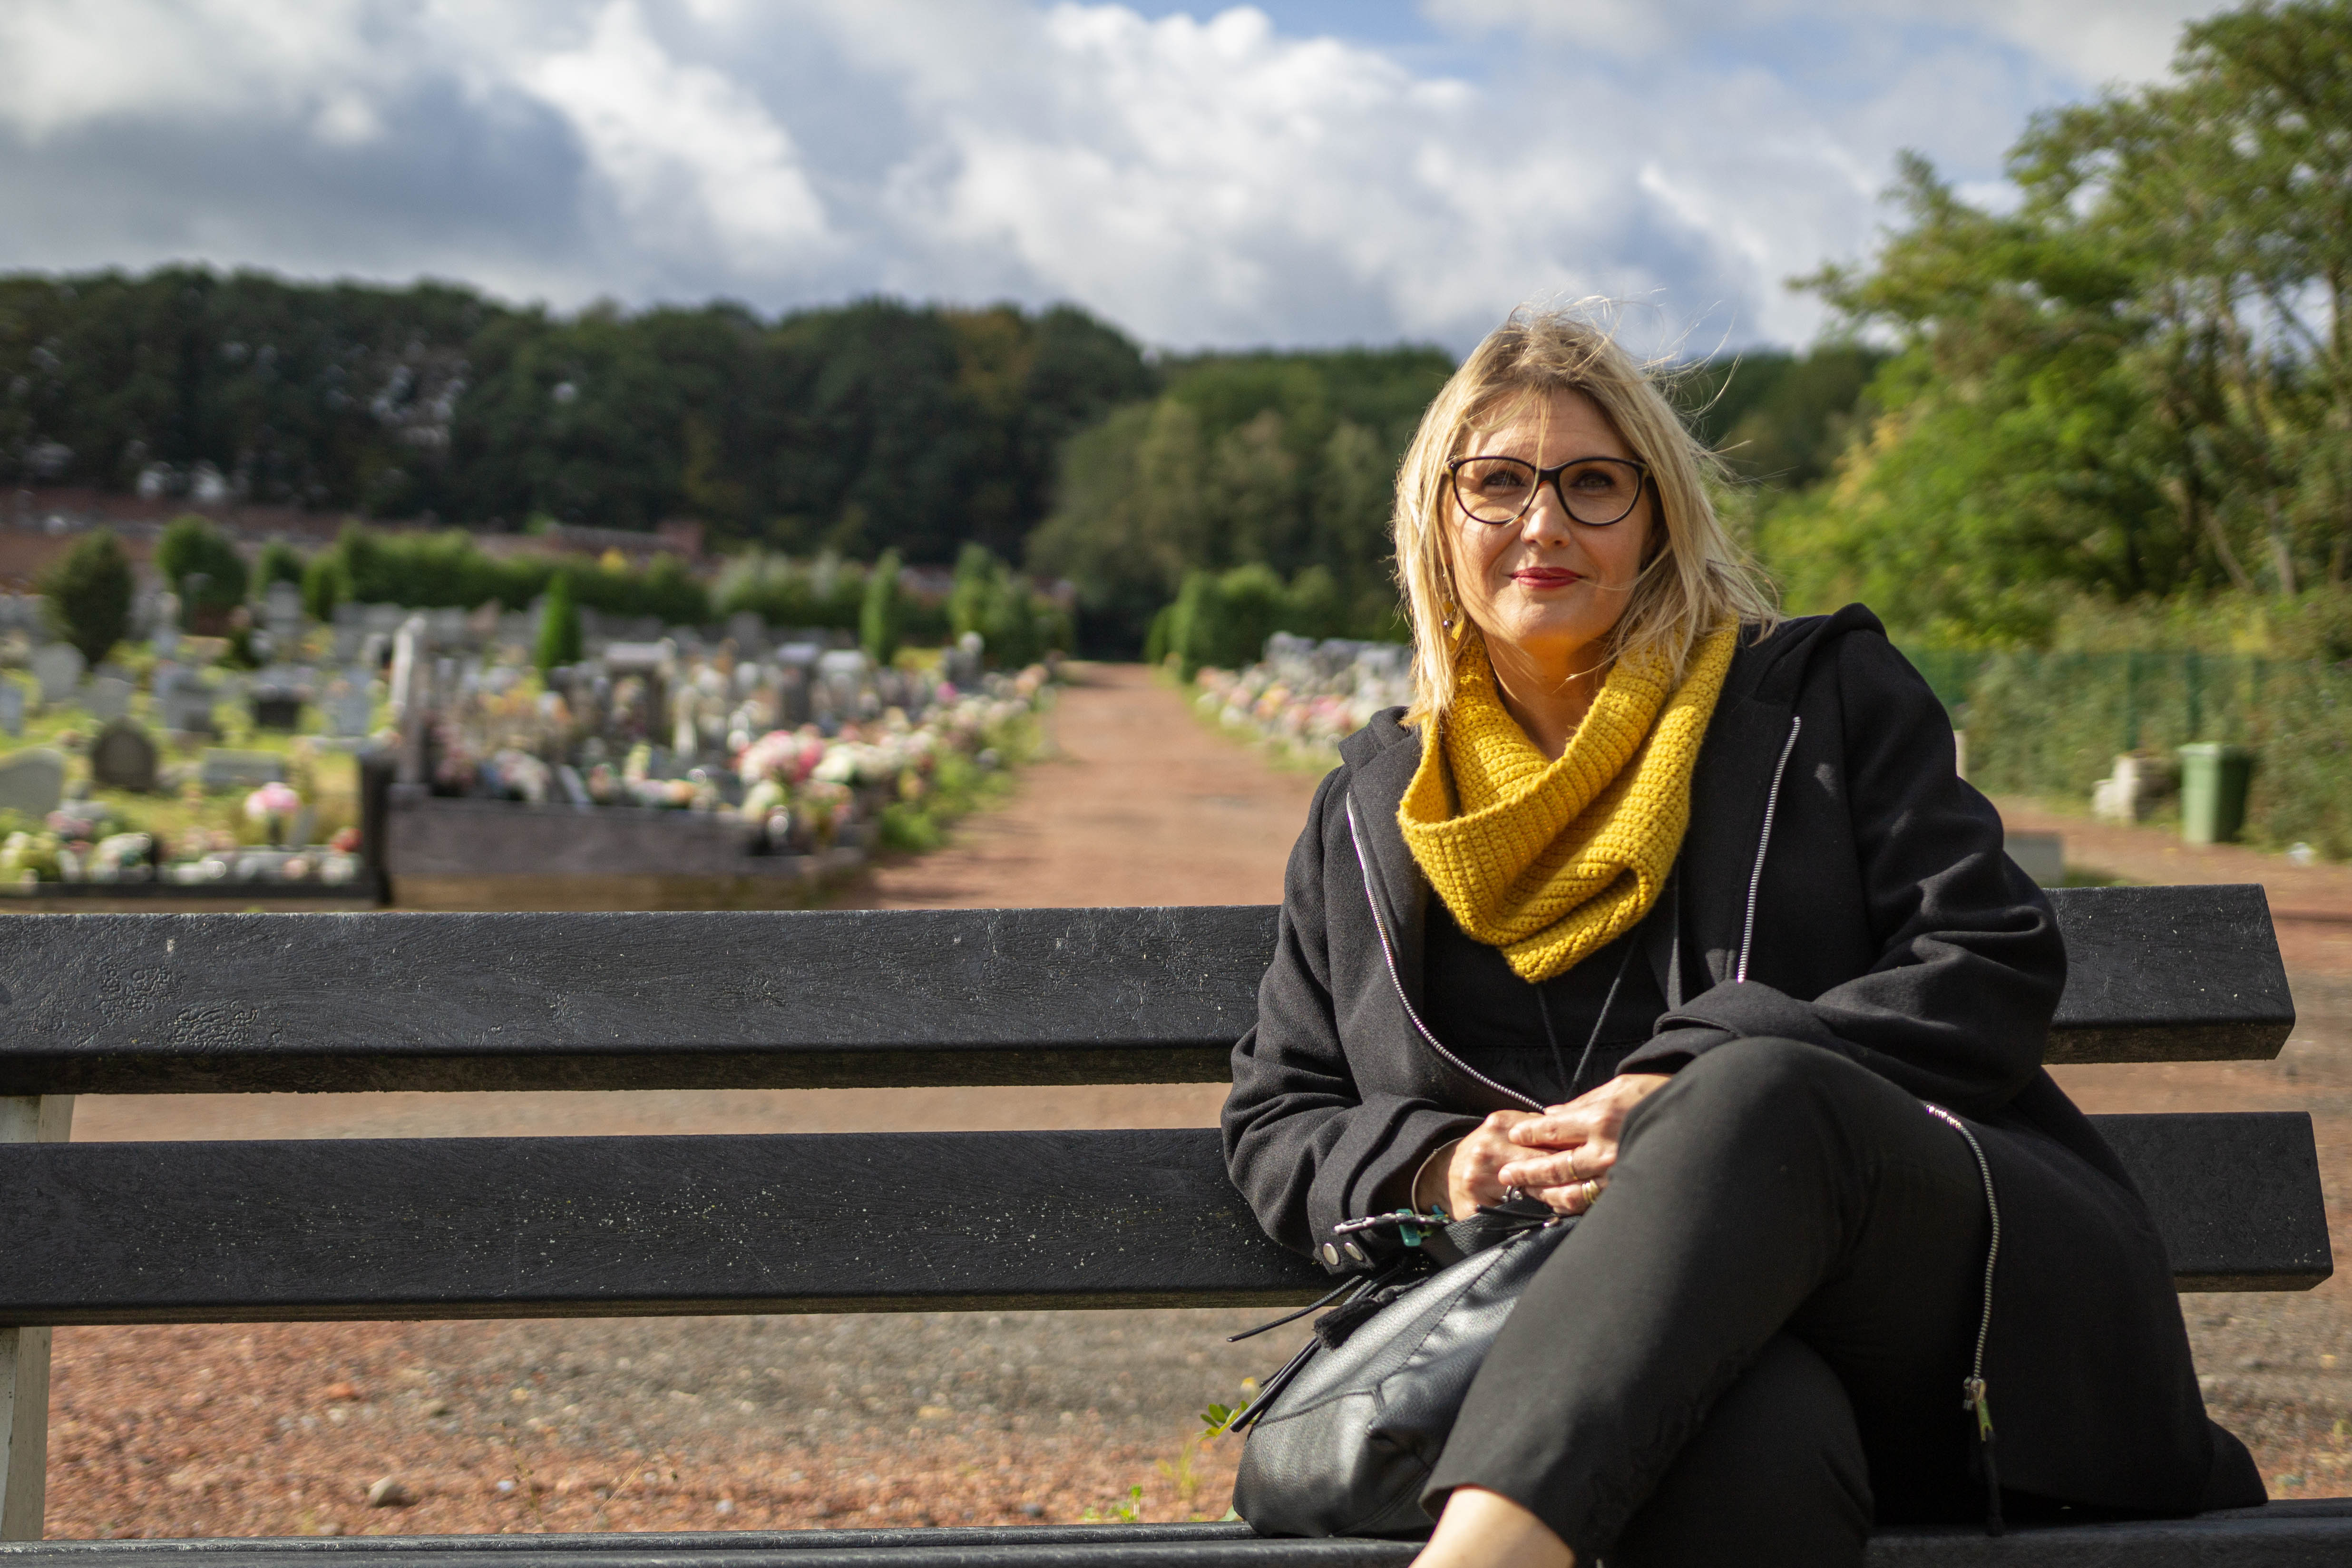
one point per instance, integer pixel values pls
(1595, 491)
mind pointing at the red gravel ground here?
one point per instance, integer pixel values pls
(717, 1423)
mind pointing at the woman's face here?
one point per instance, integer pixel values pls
(1547, 586)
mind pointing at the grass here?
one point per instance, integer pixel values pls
(327, 781)
(958, 787)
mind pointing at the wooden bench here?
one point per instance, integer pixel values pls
(477, 1227)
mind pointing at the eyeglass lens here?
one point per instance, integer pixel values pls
(1596, 492)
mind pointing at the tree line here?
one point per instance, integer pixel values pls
(864, 427)
(1254, 489)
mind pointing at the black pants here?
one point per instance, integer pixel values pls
(1755, 1342)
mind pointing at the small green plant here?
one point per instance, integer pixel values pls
(1219, 1418)
(1182, 1474)
(1128, 1513)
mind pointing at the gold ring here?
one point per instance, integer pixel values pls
(1592, 1187)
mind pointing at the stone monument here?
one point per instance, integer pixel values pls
(122, 758)
(33, 782)
(240, 769)
(57, 666)
(12, 707)
(106, 698)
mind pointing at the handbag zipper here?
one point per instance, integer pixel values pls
(1388, 952)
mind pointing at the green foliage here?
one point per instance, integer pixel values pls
(191, 547)
(1017, 625)
(559, 626)
(1223, 619)
(1777, 418)
(89, 594)
(325, 584)
(450, 570)
(882, 617)
(2137, 385)
(825, 594)
(277, 563)
(1281, 460)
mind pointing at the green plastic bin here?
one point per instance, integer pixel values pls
(2213, 779)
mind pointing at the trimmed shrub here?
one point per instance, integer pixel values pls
(559, 626)
(882, 617)
(89, 594)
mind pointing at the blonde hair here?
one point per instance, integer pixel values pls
(1693, 579)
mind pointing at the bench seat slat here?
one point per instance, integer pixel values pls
(99, 1004)
(461, 1228)
(2302, 1534)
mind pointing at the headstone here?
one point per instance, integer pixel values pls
(281, 612)
(106, 698)
(12, 707)
(33, 782)
(240, 769)
(186, 705)
(349, 708)
(122, 758)
(961, 663)
(278, 710)
(58, 668)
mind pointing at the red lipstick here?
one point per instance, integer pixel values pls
(1546, 576)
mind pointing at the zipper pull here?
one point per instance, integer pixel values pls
(1973, 1398)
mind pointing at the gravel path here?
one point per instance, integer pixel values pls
(685, 1423)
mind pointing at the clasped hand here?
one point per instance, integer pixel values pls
(1561, 1155)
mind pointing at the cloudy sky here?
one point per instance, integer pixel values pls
(1316, 171)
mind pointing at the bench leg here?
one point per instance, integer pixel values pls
(24, 1352)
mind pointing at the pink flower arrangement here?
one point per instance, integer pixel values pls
(273, 800)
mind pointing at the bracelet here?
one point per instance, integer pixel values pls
(1412, 1194)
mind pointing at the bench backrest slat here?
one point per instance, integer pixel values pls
(162, 1004)
(817, 1222)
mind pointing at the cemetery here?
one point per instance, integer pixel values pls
(1305, 696)
(317, 760)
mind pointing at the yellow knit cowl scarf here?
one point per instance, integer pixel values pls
(1553, 860)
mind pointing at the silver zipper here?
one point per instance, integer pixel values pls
(1388, 952)
(1764, 843)
(1972, 1391)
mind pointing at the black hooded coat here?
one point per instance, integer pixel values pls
(1836, 859)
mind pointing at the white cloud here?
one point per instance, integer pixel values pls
(690, 157)
(73, 61)
(2095, 41)
(1200, 179)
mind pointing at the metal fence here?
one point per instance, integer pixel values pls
(2052, 724)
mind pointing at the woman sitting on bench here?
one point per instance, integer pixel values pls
(1675, 916)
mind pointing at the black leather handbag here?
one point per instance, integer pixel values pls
(1342, 1440)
